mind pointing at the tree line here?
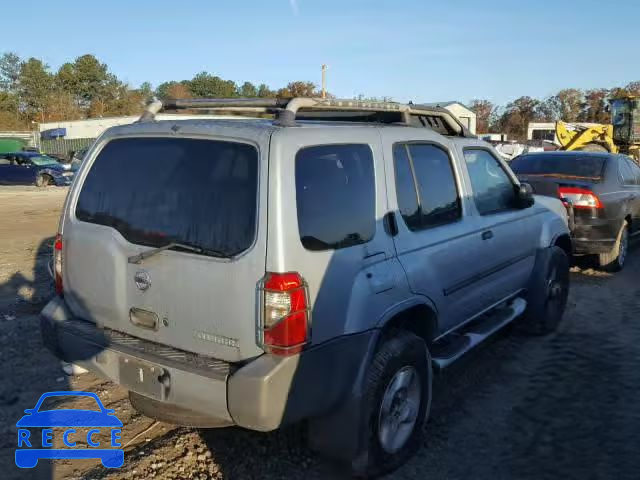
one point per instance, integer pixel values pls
(30, 91)
(569, 105)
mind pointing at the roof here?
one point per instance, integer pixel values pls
(442, 104)
(288, 110)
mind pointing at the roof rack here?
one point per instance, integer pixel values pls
(287, 110)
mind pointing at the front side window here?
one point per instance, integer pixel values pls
(425, 186)
(156, 191)
(628, 172)
(335, 196)
(635, 169)
(493, 190)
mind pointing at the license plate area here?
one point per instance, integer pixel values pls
(144, 378)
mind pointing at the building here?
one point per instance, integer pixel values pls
(466, 116)
(93, 127)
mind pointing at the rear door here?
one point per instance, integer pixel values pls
(439, 241)
(147, 192)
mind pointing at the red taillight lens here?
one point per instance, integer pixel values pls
(284, 328)
(57, 263)
(580, 197)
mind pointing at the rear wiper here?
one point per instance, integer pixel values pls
(192, 248)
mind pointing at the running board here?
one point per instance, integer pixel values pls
(454, 346)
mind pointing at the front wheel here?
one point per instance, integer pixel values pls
(615, 259)
(397, 401)
(42, 181)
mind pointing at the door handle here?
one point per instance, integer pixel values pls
(487, 235)
(390, 224)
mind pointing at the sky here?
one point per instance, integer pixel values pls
(420, 50)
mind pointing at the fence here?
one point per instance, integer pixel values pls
(63, 146)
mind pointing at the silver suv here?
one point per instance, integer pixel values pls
(319, 266)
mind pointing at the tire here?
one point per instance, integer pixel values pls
(173, 414)
(548, 292)
(593, 147)
(614, 260)
(42, 181)
(400, 371)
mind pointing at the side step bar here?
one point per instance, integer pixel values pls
(451, 348)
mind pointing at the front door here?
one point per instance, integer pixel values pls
(512, 233)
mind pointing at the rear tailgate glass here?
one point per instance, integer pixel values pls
(160, 190)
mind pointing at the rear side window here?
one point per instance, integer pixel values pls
(155, 191)
(335, 196)
(425, 186)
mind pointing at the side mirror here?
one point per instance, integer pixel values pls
(525, 196)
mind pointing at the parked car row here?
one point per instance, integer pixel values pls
(601, 189)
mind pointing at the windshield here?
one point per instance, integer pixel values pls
(156, 191)
(559, 165)
(42, 160)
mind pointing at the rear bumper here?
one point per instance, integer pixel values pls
(595, 235)
(263, 394)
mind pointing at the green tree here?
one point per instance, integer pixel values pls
(10, 64)
(35, 86)
(248, 90)
(205, 85)
(566, 105)
(265, 92)
(145, 91)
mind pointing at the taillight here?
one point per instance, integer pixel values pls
(57, 263)
(284, 326)
(580, 197)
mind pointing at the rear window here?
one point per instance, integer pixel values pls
(155, 191)
(335, 196)
(559, 165)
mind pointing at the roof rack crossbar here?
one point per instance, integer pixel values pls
(286, 109)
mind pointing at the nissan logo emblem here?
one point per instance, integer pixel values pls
(142, 279)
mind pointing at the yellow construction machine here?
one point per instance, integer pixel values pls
(622, 136)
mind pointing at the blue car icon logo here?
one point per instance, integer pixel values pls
(31, 448)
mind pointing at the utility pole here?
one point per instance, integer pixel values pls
(324, 81)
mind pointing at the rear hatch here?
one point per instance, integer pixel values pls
(143, 193)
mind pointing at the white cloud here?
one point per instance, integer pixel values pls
(294, 6)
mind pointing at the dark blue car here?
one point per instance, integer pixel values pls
(28, 453)
(31, 168)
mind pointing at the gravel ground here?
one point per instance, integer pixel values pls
(564, 406)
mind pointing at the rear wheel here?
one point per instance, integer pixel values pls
(548, 293)
(615, 259)
(593, 147)
(397, 401)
